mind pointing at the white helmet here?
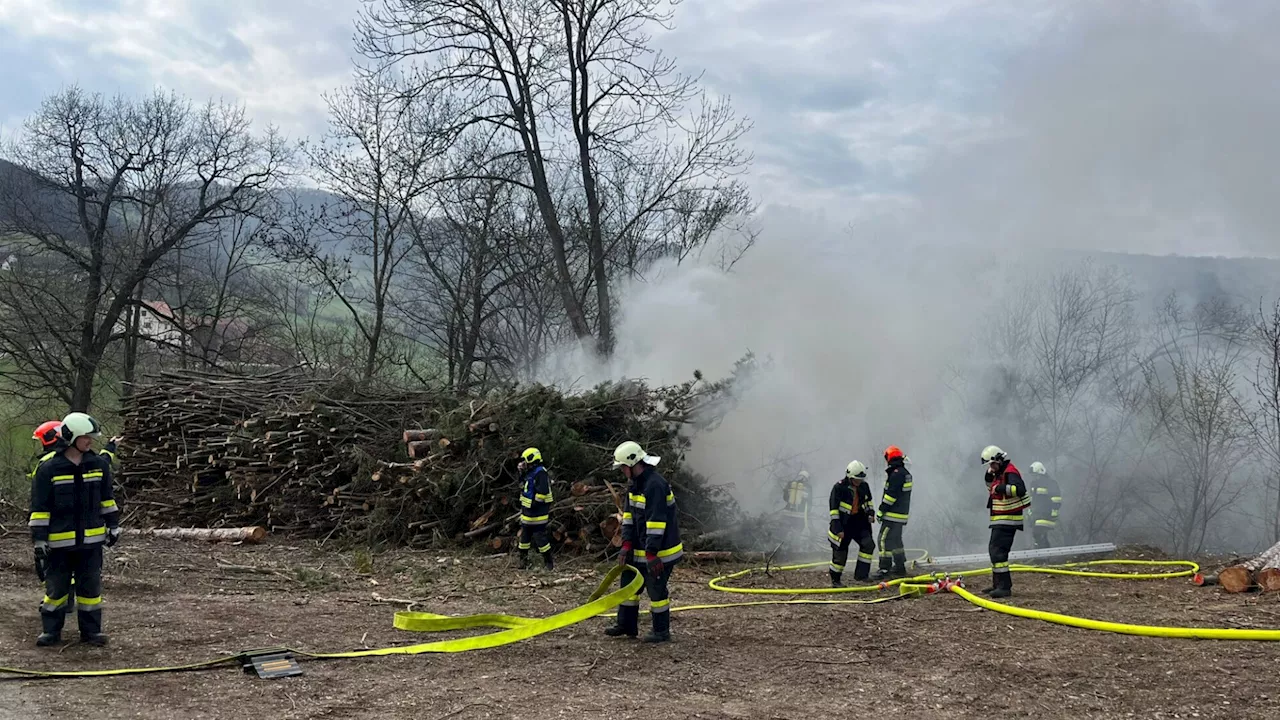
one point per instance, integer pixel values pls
(855, 470)
(1038, 468)
(991, 453)
(77, 425)
(803, 475)
(630, 454)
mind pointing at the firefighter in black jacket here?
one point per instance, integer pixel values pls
(650, 541)
(1046, 501)
(851, 518)
(895, 506)
(1008, 500)
(73, 514)
(535, 508)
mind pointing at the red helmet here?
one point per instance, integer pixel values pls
(893, 452)
(47, 433)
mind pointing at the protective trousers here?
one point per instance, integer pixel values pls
(1041, 535)
(659, 601)
(893, 554)
(998, 548)
(85, 567)
(860, 533)
(530, 534)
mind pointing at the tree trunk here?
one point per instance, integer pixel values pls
(253, 534)
(1239, 578)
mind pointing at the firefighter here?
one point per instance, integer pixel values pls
(650, 538)
(895, 506)
(851, 518)
(47, 435)
(535, 508)
(795, 511)
(73, 514)
(1008, 500)
(1046, 501)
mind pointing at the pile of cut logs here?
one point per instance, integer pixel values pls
(1262, 571)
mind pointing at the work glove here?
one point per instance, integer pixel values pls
(113, 536)
(655, 564)
(41, 552)
(880, 514)
(625, 555)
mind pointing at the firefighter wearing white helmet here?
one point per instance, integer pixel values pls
(795, 508)
(650, 541)
(69, 528)
(1046, 502)
(851, 517)
(1007, 500)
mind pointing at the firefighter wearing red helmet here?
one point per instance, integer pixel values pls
(895, 506)
(47, 435)
(1008, 501)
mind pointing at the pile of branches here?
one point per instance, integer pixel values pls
(321, 457)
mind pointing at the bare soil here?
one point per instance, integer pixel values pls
(170, 602)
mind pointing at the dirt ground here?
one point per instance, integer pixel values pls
(168, 602)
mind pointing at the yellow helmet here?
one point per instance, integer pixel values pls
(531, 455)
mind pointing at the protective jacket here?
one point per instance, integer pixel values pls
(72, 505)
(651, 505)
(536, 497)
(849, 505)
(1007, 497)
(895, 505)
(1046, 500)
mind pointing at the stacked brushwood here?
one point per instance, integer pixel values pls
(314, 456)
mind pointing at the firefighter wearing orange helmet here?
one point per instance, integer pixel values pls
(895, 506)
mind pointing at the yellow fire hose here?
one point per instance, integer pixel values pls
(601, 601)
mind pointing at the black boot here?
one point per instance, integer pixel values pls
(91, 627)
(627, 622)
(1004, 586)
(547, 563)
(835, 578)
(661, 628)
(899, 571)
(524, 559)
(51, 627)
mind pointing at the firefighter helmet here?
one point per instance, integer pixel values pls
(47, 432)
(628, 453)
(855, 470)
(803, 474)
(893, 452)
(1038, 468)
(531, 455)
(77, 425)
(991, 454)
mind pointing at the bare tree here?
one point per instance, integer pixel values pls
(1202, 431)
(592, 108)
(1264, 424)
(377, 161)
(107, 189)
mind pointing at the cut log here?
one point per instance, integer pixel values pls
(1269, 579)
(254, 534)
(1235, 579)
(420, 434)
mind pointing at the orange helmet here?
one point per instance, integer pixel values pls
(893, 452)
(47, 433)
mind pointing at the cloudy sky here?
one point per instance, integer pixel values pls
(1143, 125)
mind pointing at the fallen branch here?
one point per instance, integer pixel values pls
(254, 534)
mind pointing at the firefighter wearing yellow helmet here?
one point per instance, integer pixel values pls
(535, 508)
(650, 541)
